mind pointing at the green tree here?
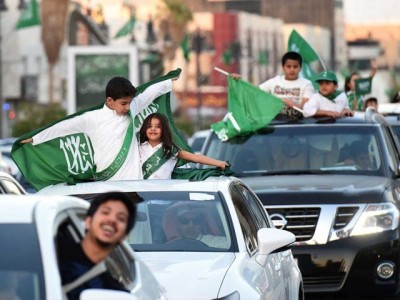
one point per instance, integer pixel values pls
(54, 15)
(173, 17)
(34, 116)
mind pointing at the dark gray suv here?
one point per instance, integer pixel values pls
(335, 184)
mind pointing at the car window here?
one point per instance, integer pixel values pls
(197, 144)
(295, 149)
(393, 156)
(247, 223)
(255, 206)
(181, 221)
(21, 271)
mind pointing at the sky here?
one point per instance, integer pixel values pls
(371, 11)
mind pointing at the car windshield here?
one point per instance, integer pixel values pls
(181, 221)
(198, 144)
(302, 150)
(21, 272)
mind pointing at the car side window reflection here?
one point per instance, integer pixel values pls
(249, 228)
(255, 207)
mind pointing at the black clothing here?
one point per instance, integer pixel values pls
(74, 263)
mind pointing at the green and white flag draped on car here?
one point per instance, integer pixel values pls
(298, 44)
(70, 158)
(249, 109)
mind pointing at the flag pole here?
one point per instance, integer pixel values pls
(221, 71)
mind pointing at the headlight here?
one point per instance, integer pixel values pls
(377, 218)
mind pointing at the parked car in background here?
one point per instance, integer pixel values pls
(335, 184)
(391, 111)
(207, 239)
(197, 140)
(9, 185)
(30, 227)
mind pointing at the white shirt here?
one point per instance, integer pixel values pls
(294, 90)
(163, 172)
(319, 102)
(107, 130)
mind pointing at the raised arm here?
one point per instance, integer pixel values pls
(150, 94)
(374, 67)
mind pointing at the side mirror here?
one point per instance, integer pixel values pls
(96, 294)
(271, 240)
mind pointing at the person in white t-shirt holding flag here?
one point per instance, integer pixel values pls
(290, 87)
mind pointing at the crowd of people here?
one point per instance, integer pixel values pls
(298, 93)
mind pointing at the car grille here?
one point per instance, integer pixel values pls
(301, 221)
(326, 281)
(344, 216)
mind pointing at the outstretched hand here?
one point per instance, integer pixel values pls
(27, 141)
(235, 75)
(223, 165)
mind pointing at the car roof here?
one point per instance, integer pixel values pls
(368, 117)
(389, 108)
(211, 184)
(21, 208)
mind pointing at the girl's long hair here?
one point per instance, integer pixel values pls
(166, 135)
(347, 82)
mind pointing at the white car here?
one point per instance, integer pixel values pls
(30, 227)
(207, 239)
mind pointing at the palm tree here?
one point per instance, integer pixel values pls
(173, 18)
(54, 14)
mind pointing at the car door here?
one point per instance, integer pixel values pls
(268, 278)
(285, 257)
(121, 262)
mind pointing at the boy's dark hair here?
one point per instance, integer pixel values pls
(368, 100)
(347, 82)
(166, 135)
(128, 200)
(292, 56)
(120, 87)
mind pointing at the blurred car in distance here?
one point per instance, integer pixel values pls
(207, 239)
(9, 185)
(197, 140)
(30, 230)
(391, 111)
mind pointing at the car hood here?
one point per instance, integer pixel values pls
(189, 275)
(294, 189)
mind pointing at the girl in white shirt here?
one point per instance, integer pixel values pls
(159, 154)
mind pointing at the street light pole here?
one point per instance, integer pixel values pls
(3, 8)
(198, 41)
(3, 128)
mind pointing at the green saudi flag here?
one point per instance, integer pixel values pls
(184, 44)
(249, 109)
(127, 28)
(363, 86)
(29, 16)
(298, 44)
(70, 158)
